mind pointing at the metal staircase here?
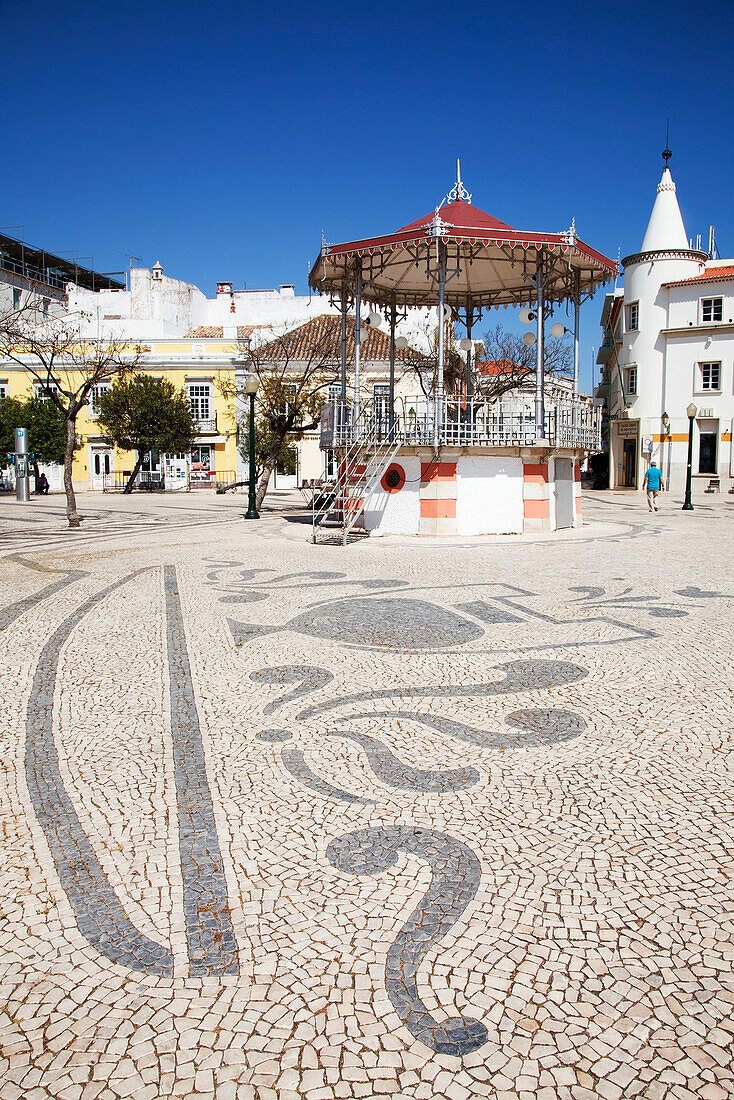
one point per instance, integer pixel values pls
(364, 456)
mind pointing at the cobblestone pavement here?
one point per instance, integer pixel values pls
(411, 818)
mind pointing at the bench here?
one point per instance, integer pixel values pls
(714, 485)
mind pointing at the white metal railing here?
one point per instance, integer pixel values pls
(570, 421)
(205, 425)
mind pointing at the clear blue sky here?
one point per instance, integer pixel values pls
(221, 138)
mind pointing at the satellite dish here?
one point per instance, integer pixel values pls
(401, 343)
(558, 330)
(466, 344)
(527, 316)
(528, 339)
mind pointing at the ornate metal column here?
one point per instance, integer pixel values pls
(540, 357)
(357, 306)
(438, 409)
(391, 399)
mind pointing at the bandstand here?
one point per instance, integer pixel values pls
(457, 464)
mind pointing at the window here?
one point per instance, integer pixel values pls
(712, 309)
(16, 298)
(198, 394)
(633, 317)
(631, 381)
(3, 388)
(335, 392)
(201, 458)
(93, 399)
(290, 389)
(710, 376)
(42, 390)
(707, 452)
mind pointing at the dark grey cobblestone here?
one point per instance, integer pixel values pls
(100, 917)
(455, 878)
(211, 941)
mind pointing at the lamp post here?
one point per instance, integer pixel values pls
(251, 390)
(691, 411)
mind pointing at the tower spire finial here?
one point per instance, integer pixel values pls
(666, 151)
(458, 191)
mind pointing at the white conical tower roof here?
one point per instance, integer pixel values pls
(665, 230)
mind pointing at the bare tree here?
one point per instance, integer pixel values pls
(294, 371)
(424, 367)
(509, 364)
(67, 366)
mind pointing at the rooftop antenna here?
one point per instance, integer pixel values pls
(130, 258)
(666, 151)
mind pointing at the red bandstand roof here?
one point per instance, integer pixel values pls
(488, 262)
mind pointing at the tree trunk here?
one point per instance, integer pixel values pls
(269, 466)
(136, 469)
(71, 512)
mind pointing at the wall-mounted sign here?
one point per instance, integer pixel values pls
(647, 444)
(626, 429)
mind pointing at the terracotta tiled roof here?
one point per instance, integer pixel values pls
(321, 339)
(499, 366)
(709, 275)
(216, 332)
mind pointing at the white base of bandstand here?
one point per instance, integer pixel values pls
(476, 491)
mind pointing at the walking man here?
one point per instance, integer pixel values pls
(654, 484)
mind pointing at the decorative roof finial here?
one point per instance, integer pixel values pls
(458, 191)
(666, 151)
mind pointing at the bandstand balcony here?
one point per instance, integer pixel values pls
(571, 422)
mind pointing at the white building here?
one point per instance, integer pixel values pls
(158, 307)
(669, 343)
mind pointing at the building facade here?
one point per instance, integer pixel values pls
(669, 344)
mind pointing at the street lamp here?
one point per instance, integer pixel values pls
(251, 390)
(691, 411)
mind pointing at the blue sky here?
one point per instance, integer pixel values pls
(223, 138)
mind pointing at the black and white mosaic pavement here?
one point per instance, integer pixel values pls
(283, 821)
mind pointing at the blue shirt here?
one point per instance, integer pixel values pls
(653, 478)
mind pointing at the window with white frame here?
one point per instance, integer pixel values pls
(93, 399)
(630, 381)
(632, 316)
(290, 389)
(709, 376)
(712, 309)
(43, 390)
(4, 390)
(199, 394)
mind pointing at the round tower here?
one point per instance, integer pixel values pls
(665, 256)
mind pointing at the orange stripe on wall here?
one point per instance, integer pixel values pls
(535, 471)
(577, 472)
(578, 506)
(536, 509)
(438, 509)
(438, 471)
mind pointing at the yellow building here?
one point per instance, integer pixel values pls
(204, 369)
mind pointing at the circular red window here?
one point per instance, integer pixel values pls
(393, 479)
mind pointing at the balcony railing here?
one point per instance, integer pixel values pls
(569, 422)
(206, 426)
